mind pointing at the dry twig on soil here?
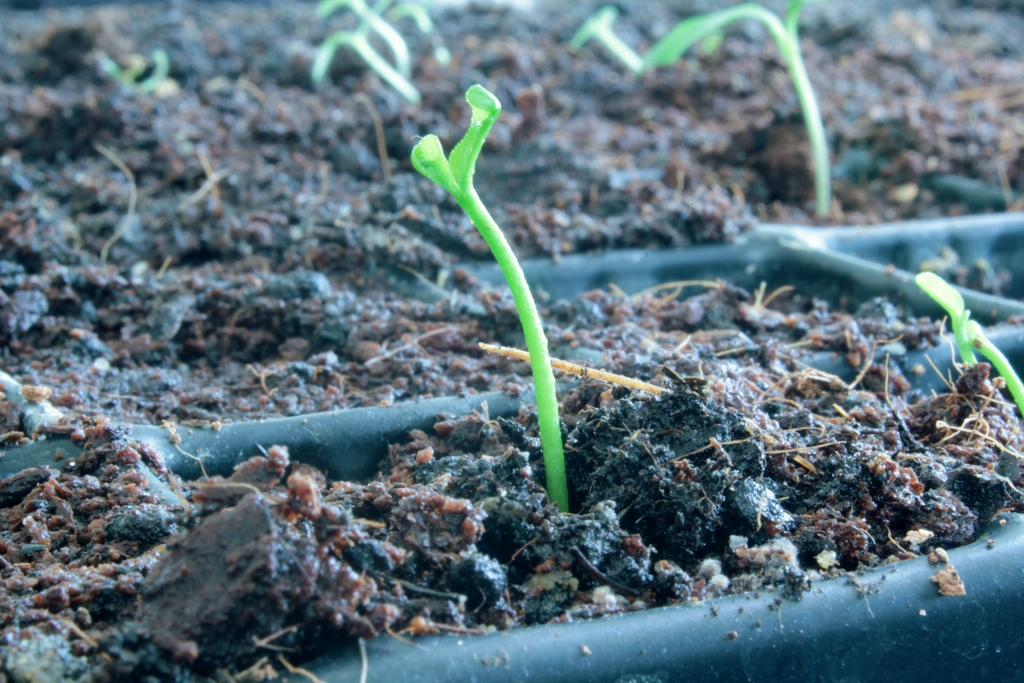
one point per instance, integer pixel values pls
(132, 201)
(580, 370)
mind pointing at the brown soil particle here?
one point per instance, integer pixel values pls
(34, 394)
(244, 572)
(950, 583)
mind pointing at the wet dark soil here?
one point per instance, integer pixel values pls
(269, 269)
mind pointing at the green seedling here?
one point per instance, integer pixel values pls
(705, 27)
(371, 21)
(137, 66)
(418, 12)
(599, 28)
(968, 334)
(455, 175)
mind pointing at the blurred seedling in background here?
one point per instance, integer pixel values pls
(969, 335)
(706, 30)
(455, 175)
(420, 14)
(371, 21)
(156, 83)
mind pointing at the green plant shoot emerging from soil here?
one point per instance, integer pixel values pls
(969, 335)
(697, 29)
(420, 14)
(136, 67)
(370, 19)
(455, 174)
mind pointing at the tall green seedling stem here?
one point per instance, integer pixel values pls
(687, 33)
(809, 106)
(695, 29)
(455, 175)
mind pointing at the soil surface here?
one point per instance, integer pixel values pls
(260, 260)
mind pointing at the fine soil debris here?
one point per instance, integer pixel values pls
(950, 583)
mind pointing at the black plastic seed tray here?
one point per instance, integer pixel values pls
(885, 624)
(345, 444)
(844, 266)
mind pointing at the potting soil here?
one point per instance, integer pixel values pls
(266, 268)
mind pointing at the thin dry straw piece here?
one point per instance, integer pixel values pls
(378, 128)
(209, 185)
(132, 201)
(676, 288)
(580, 370)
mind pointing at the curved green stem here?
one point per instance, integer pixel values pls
(975, 336)
(536, 344)
(599, 27)
(969, 334)
(391, 76)
(812, 114)
(1005, 369)
(687, 33)
(392, 37)
(455, 174)
(396, 76)
(961, 334)
(951, 301)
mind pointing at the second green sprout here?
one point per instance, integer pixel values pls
(697, 29)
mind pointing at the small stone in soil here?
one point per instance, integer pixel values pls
(949, 581)
(34, 394)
